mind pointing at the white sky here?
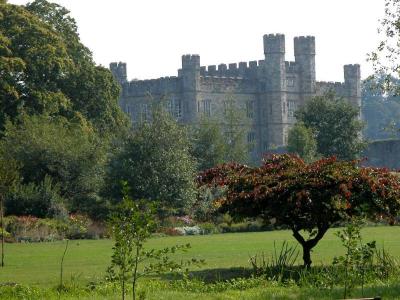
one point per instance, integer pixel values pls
(151, 35)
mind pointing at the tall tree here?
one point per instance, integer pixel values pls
(156, 163)
(335, 124)
(47, 70)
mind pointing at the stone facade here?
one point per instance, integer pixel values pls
(270, 90)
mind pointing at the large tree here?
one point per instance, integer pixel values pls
(307, 198)
(335, 124)
(156, 163)
(54, 152)
(44, 68)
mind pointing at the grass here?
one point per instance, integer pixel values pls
(226, 255)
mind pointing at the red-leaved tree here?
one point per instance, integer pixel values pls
(306, 197)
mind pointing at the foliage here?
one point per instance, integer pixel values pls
(69, 155)
(32, 229)
(381, 109)
(42, 200)
(208, 143)
(301, 141)
(305, 197)
(358, 256)
(236, 126)
(156, 163)
(222, 137)
(46, 70)
(386, 58)
(335, 125)
(279, 262)
(132, 224)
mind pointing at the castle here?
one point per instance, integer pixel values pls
(269, 90)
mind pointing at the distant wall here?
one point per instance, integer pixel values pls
(383, 154)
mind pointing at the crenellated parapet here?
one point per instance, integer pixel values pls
(246, 70)
(119, 71)
(160, 86)
(223, 84)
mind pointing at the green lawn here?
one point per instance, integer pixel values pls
(38, 264)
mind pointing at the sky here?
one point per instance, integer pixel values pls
(152, 35)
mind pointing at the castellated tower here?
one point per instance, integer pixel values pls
(190, 81)
(304, 53)
(352, 82)
(275, 96)
(268, 90)
(119, 72)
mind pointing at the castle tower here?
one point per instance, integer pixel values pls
(119, 71)
(190, 75)
(304, 52)
(352, 83)
(275, 89)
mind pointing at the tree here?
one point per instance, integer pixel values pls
(9, 177)
(208, 143)
(306, 197)
(132, 223)
(386, 58)
(381, 108)
(235, 126)
(71, 154)
(335, 124)
(301, 141)
(156, 163)
(45, 69)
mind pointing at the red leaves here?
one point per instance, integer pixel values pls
(305, 195)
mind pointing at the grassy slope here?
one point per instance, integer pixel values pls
(87, 260)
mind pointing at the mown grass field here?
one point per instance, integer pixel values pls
(226, 256)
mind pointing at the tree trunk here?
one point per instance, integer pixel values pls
(309, 244)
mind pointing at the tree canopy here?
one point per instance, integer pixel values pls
(306, 197)
(44, 68)
(156, 163)
(335, 124)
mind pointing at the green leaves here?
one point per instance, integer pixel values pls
(335, 126)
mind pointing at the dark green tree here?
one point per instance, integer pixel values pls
(156, 163)
(70, 154)
(335, 124)
(46, 69)
(208, 143)
(301, 141)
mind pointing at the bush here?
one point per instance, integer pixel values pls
(208, 228)
(32, 229)
(41, 200)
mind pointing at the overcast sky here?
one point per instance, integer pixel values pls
(151, 35)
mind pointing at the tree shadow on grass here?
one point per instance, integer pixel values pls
(215, 275)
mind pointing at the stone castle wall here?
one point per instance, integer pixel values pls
(269, 90)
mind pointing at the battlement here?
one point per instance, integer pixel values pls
(190, 61)
(352, 71)
(291, 66)
(304, 45)
(163, 85)
(119, 71)
(241, 69)
(274, 44)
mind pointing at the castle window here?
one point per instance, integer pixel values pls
(204, 107)
(174, 107)
(291, 108)
(290, 82)
(250, 109)
(145, 112)
(251, 136)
